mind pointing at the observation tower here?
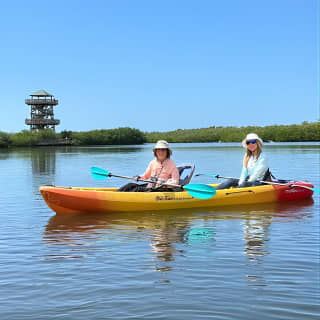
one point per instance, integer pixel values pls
(42, 116)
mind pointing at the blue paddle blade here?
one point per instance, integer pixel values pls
(199, 235)
(200, 191)
(315, 190)
(99, 173)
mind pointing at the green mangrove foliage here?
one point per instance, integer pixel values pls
(4, 139)
(306, 131)
(96, 137)
(110, 136)
(31, 138)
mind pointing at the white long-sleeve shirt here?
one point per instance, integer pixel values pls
(255, 170)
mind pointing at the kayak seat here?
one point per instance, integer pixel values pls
(268, 176)
(186, 171)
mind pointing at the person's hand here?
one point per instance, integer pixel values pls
(137, 178)
(160, 182)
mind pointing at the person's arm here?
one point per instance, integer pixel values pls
(147, 173)
(243, 176)
(259, 170)
(175, 177)
(244, 172)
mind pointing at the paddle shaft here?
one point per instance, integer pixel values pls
(270, 182)
(149, 181)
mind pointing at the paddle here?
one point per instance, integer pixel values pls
(200, 191)
(292, 185)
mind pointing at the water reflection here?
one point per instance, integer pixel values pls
(65, 229)
(4, 154)
(43, 161)
(164, 240)
(43, 164)
(160, 232)
(256, 224)
(172, 233)
(256, 235)
(256, 230)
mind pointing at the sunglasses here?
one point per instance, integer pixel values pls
(251, 141)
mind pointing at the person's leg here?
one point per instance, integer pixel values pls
(129, 187)
(227, 184)
(167, 189)
(142, 188)
(246, 184)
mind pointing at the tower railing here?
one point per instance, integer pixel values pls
(51, 102)
(44, 122)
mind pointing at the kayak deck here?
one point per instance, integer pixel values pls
(86, 200)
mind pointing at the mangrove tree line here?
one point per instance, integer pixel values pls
(117, 136)
(306, 131)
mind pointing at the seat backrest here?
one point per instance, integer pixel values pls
(186, 171)
(268, 176)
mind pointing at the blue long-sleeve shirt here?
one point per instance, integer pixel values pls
(255, 170)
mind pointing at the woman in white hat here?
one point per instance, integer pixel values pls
(255, 164)
(161, 169)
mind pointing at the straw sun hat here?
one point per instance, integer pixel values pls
(162, 144)
(251, 136)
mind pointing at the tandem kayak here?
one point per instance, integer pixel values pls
(90, 200)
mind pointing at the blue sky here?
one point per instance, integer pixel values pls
(161, 65)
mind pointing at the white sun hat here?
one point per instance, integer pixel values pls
(251, 136)
(162, 144)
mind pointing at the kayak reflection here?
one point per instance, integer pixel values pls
(169, 233)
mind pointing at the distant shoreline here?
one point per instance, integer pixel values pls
(304, 132)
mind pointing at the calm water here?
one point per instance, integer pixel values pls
(256, 262)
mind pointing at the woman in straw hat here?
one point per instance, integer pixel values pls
(160, 170)
(255, 165)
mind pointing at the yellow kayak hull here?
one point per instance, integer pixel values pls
(86, 200)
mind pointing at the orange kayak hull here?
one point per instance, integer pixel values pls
(91, 200)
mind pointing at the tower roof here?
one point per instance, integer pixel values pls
(41, 93)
